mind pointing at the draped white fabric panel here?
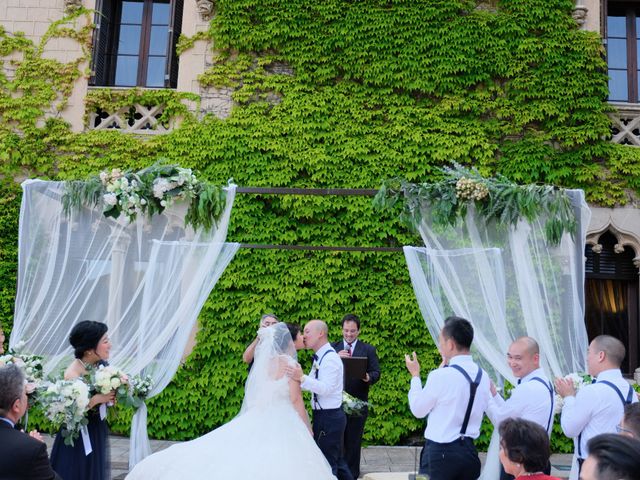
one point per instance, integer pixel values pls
(147, 280)
(508, 282)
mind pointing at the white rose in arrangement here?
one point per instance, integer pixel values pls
(110, 199)
(104, 177)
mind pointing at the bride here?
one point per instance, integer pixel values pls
(269, 439)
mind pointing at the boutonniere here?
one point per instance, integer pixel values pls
(314, 366)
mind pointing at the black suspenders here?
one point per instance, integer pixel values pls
(473, 387)
(550, 388)
(624, 401)
(315, 397)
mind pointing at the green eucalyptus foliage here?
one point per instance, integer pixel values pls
(334, 93)
(496, 200)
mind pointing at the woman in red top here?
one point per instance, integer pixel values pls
(524, 449)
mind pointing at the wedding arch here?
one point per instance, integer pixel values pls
(507, 257)
(85, 253)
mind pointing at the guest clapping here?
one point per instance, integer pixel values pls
(88, 457)
(266, 320)
(524, 449)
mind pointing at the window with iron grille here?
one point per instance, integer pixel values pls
(135, 43)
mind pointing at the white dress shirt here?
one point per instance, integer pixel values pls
(594, 410)
(445, 397)
(529, 400)
(328, 386)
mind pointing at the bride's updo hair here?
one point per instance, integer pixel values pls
(85, 336)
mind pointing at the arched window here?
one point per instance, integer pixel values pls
(611, 295)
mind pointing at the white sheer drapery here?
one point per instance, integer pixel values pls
(147, 280)
(509, 282)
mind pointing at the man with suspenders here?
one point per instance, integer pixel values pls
(455, 398)
(596, 408)
(533, 396)
(325, 382)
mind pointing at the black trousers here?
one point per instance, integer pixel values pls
(457, 460)
(328, 432)
(353, 442)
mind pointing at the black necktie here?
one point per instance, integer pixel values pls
(519, 381)
(593, 380)
(350, 348)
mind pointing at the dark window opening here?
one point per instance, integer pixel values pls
(611, 297)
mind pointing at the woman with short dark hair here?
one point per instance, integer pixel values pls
(91, 348)
(524, 449)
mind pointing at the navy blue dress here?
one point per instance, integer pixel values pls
(71, 463)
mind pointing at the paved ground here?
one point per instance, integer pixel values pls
(374, 459)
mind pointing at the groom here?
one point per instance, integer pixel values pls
(325, 382)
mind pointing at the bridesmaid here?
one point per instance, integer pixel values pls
(91, 346)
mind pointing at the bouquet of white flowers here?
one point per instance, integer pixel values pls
(106, 379)
(65, 403)
(139, 388)
(352, 405)
(579, 381)
(31, 365)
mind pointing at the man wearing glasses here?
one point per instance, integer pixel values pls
(630, 424)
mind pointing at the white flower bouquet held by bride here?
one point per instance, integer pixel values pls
(579, 381)
(352, 405)
(65, 404)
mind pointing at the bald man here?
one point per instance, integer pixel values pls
(596, 408)
(533, 396)
(325, 382)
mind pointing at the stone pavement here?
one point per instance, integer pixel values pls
(374, 459)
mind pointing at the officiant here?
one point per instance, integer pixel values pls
(350, 347)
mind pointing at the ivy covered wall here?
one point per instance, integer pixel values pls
(378, 89)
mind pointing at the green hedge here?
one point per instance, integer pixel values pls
(379, 89)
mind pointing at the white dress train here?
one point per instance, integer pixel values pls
(266, 441)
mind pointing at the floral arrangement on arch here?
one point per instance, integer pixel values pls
(148, 191)
(495, 199)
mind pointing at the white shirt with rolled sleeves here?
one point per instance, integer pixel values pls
(595, 409)
(529, 400)
(444, 399)
(329, 384)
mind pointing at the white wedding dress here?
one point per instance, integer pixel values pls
(267, 440)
